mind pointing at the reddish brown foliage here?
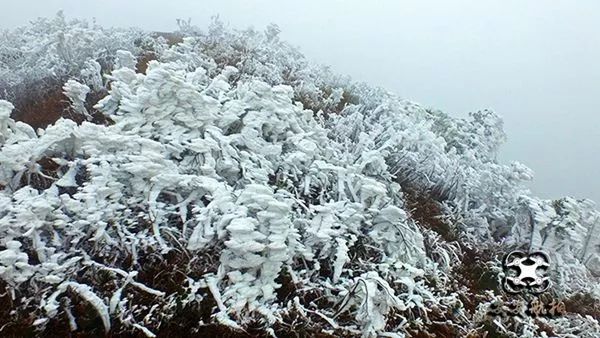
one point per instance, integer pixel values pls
(42, 109)
(143, 60)
(172, 38)
(427, 212)
(42, 106)
(583, 304)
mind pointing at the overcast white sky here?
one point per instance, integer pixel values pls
(534, 62)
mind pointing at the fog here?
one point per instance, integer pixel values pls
(533, 62)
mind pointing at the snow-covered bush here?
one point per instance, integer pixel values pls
(237, 184)
(58, 48)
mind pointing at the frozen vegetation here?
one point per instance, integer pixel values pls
(215, 183)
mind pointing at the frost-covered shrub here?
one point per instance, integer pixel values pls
(228, 192)
(58, 48)
(36, 60)
(264, 55)
(214, 148)
(567, 229)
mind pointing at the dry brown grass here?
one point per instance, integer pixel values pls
(143, 60)
(424, 209)
(171, 37)
(41, 107)
(583, 304)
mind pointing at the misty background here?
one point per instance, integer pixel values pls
(534, 62)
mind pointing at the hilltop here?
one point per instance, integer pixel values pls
(216, 183)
